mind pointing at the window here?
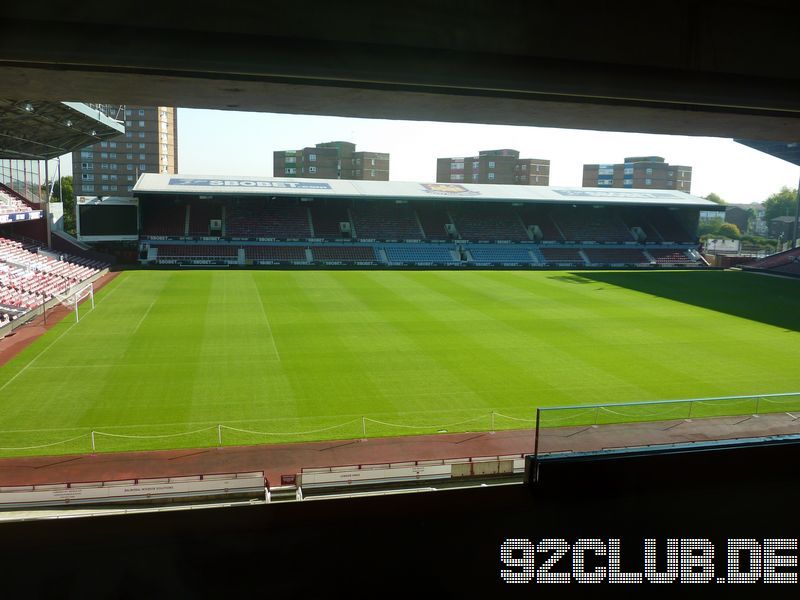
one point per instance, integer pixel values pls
(104, 177)
(454, 176)
(312, 157)
(456, 166)
(141, 145)
(87, 177)
(312, 169)
(670, 174)
(113, 177)
(372, 162)
(141, 112)
(627, 182)
(129, 145)
(129, 156)
(130, 177)
(141, 123)
(113, 188)
(112, 144)
(628, 170)
(112, 155)
(290, 171)
(113, 166)
(141, 157)
(372, 174)
(648, 182)
(475, 165)
(491, 166)
(491, 175)
(649, 171)
(670, 182)
(87, 166)
(87, 154)
(605, 181)
(524, 167)
(130, 188)
(128, 123)
(141, 134)
(104, 155)
(605, 171)
(128, 112)
(88, 188)
(142, 167)
(129, 167)
(291, 160)
(104, 144)
(475, 177)
(105, 188)
(164, 148)
(104, 166)
(128, 134)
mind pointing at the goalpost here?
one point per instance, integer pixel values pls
(73, 297)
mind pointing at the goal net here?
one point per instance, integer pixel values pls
(74, 296)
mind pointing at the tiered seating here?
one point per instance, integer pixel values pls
(540, 217)
(616, 256)
(433, 222)
(326, 221)
(668, 256)
(595, 225)
(343, 253)
(668, 228)
(384, 221)
(11, 204)
(275, 253)
(164, 220)
(489, 223)
(496, 253)
(783, 262)
(411, 253)
(199, 217)
(558, 256)
(28, 279)
(278, 219)
(197, 251)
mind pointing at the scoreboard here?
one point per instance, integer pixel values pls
(107, 219)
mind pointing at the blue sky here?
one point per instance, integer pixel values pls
(237, 143)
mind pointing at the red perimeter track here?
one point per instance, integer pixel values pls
(288, 459)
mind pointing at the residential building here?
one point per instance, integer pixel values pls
(494, 166)
(331, 160)
(640, 172)
(149, 145)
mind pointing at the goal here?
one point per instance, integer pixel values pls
(74, 296)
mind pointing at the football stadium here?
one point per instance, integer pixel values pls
(223, 383)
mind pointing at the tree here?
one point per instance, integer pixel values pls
(710, 226)
(730, 230)
(69, 201)
(715, 198)
(781, 204)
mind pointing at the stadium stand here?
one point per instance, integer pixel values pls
(489, 223)
(434, 221)
(787, 262)
(343, 253)
(276, 219)
(200, 215)
(419, 253)
(540, 217)
(616, 256)
(9, 203)
(562, 256)
(384, 221)
(668, 229)
(326, 220)
(496, 253)
(28, 278)
(163, 220)
(668, 256)
(197, 251)
(275, 253)
(592, 225)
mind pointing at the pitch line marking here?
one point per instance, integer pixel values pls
(144, 316)
(53, 343)
(269, 326)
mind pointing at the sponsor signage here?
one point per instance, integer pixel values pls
(26, 216)
(249, 183)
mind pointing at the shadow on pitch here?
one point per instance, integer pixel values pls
(769, 300)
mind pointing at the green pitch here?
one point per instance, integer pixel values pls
(275, 356)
